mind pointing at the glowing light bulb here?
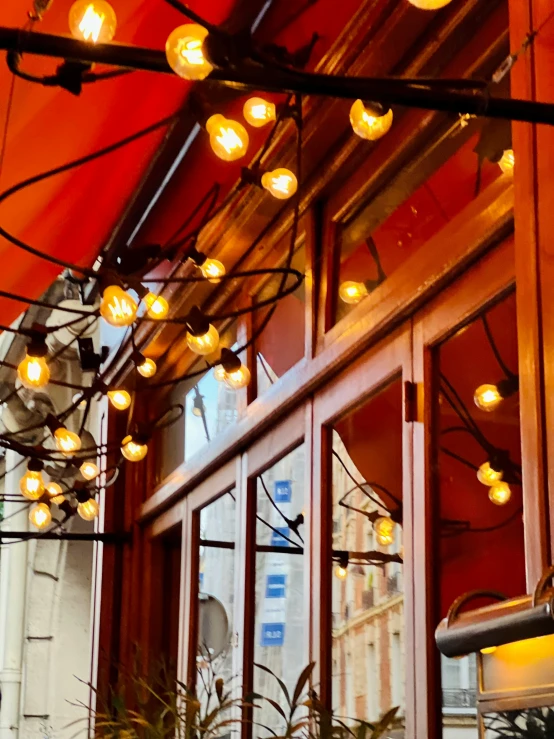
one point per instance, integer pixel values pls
(184, 52)
(507, 162)
(367, 125)
(341, 572)
(117, 307)
(205, 343)
(31, 485)
(88, 510)
(352, 292)
(157, 307)
(500, 493)
(228, 139)
(66, 441)
(40, 515)
(281, 183)
(487, 397)
(220, 373)
(120, 399)
(384, 530)
(488, 650)
(213, 270)
(429, 4)
(147, 368)
(487, 476)
(258, 112)
(92, 20)
(238, 378)
(89, 470)
(33, 372)
(132, 450)
(55, 492)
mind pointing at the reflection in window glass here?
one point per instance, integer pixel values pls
(523, 723)
(216, 591)
(281, 344)
(367, 583)
(210, 406)
(480, 518)
(416, 205)
(280, 638)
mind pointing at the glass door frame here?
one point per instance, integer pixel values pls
(366, 376)
(481, 285)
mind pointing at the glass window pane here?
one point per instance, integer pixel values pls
(281, 343)
(416, 205)
(216, 591)
(280, 638)
(367, 582)
(480, 522)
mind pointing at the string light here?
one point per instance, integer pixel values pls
(40, 515)
(67, 442)
(487, 397)
(384, 530)
(147, 368)
(341, 572)
(231, 370)
(55, 492)
(133, 449)
(507, 162)
(33, 372)
(92, 20)
(117, 307)
(157, 306)
(367, 123)
(228, 139)
(500, 493)
(488, 475)
(212, 270)
(120, 399)
(202, 338)
(258, 112)
(238, 378)
(89, 470)
(185, 54)
(88, 510)
(352, 292)
(281, 183)
(429, 4)
(31, 484)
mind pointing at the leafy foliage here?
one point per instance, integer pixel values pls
(531, 723)
(165, 708)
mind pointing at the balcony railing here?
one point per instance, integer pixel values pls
(459, 698)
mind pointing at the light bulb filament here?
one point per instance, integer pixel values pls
(228, 139)
(91, 24)
(282, 183)
(190, 49)
(120, 309)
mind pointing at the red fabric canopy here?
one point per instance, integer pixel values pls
(72, 215)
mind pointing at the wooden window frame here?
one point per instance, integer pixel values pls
(371, 372)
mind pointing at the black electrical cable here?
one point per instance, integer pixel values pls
(508, 373)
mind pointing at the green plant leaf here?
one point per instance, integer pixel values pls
(278, 679)
(301, 682)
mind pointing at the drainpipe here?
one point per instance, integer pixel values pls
(13, 592)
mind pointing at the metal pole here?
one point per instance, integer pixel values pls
(107, 538)
(427, 94)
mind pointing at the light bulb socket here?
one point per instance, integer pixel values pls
(508, 386)
(52, 423)
(36, 346)
(196, 256)
(396, 515)
(197, 323)
(35, 465)
(82, 494)
(198, 405)
(343, 560)
(376, 109)
(252, 176)
(140, 434)
(224, 50)
(138, 358)
(229, 360)
(499, 460)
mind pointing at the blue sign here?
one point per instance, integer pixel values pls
(282, 491)
(201, 580)
(273, 635)
(276, 538)
(275, 586)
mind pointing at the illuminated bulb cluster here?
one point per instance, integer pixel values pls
(499, 491)
(67, 442)
(228, 139)
(185, 54)
(55, 492)
(367, 124)
(157, 307)
(120, 399)
(89, 470)
(117, 307)
(88, 510)
(487, 475)
(384, 531)
(487, 397)
(352, 292)
(40, 515)
(92, 20)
